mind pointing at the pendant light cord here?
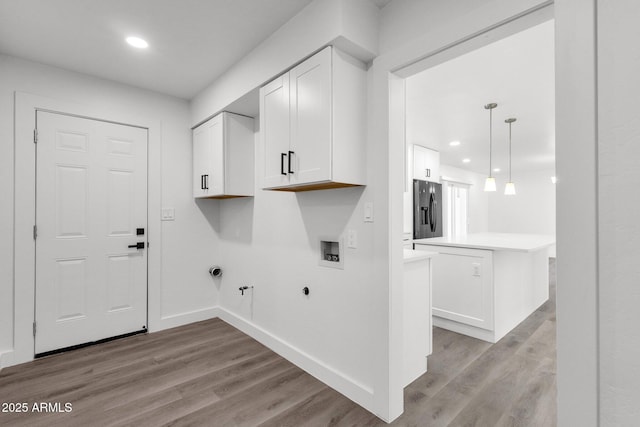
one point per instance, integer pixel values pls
(510, 122)
(490, 138)
(491, 184)
(510, 152)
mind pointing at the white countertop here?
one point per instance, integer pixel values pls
(411, 255)
(494, 241)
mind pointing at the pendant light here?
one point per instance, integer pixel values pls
(490, 182)
(510, 188)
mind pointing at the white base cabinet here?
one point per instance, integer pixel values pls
(416, 316)
(486, 293)
(223, 157)
(312, 124)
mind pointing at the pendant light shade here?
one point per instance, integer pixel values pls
(510, 188)
(490, 182)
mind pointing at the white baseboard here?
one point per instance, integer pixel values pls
(461, 328)
(359, 393)
(6, 359)
(181, 319)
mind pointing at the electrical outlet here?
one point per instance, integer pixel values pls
(368, 212)
(168, 214)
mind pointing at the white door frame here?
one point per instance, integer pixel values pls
(25, 212)
(392, 69)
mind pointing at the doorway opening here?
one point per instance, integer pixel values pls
(444, 99)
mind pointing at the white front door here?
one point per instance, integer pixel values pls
(91, 205)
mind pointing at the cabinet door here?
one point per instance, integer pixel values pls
(463, 286)
(216, 160)
(432, 165)
(208, 158)
(274, 127)
(200, 150)
(311, 137)
(426, 164)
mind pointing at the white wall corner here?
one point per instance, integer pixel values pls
(359, 29)
(351, 24)
(175, 320)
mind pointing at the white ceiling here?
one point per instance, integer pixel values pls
(446, 103)
(191, 41)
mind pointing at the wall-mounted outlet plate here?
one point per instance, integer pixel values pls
(352, 239)
(168, 214)
(368, 212)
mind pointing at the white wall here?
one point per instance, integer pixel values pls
(619, 210)
(478, 213)
(531, 210)
(271, 241)
(188, 244)
(405, 20)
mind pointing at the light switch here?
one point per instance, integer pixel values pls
(352, 239)
(168, 214)
(368, 212)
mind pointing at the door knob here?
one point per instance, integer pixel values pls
(139, 245)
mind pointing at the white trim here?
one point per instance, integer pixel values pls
(6, 359)
(467, 33)
(24, 211)
(180, 319)
(455, 181)
(355, 391)
(461, 328)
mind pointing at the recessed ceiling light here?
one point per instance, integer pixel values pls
(496, 169)
(554, 179)
(137, 42)
(466, 160)
(454, 143)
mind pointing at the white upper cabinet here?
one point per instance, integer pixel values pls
(426, 164)
(223, 157)
(274, 128)
(312, 122)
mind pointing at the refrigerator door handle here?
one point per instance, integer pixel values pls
(431, 207)
(434, 216)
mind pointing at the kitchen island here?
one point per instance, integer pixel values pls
(484, 284)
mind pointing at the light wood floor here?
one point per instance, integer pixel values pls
(210, 374)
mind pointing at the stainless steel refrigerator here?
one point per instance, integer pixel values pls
(427, 209)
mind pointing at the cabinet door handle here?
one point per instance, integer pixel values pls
(291, 153)
(282, 156)
(427, 172)
(206, 182)
(202, 182)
